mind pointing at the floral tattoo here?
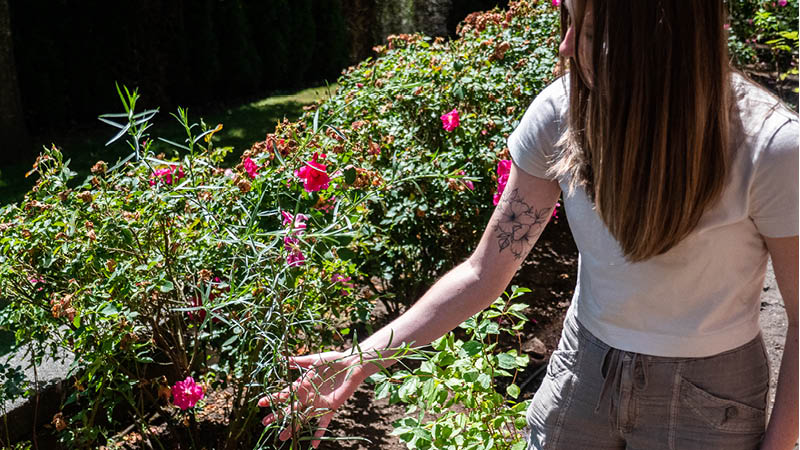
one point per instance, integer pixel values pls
(519, 224)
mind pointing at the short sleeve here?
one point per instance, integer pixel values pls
(773, 193)
(532, 143)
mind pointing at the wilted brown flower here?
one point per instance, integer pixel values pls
(86, 196)
(99, 168)
(60, 306)
(58, 422)
(205, 274)
(358, 124)
(500, 51)
(243, 184)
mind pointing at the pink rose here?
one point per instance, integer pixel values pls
(299, 221)
(295, 257)
(556, 3)
(467, 183)
(251, 167)
(313, 175)
(187, 393)
(782, 2)
(166, 175)
(450, 120)
(503, 171)
(555, 210)
(343, 280)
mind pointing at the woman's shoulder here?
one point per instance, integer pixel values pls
(761, 112)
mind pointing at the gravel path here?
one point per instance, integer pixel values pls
(773, 327)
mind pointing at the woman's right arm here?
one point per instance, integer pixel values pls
(519, 218)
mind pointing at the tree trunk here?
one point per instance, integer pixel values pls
(14, 138)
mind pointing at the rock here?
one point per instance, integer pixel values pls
(535, 349)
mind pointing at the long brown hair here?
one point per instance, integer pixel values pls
(647, 137)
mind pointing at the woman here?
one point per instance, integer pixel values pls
(679, 179)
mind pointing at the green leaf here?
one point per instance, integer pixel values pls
(472, 348)
(519, 445)
(506, 361)
(167, 286)
(485, 381)
(513, 391)
(109, 310)
(408, 388)
(350, 175)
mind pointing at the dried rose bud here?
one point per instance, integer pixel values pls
(86, 196)
(58, 422)
(100, 168)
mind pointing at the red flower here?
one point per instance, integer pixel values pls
(313, 175)
(503, 170)
(187, 393)
(165, 175)
(251, 167)
(450, 121)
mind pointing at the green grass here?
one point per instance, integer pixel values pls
(242, 126)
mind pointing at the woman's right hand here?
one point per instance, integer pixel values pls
(327, 381)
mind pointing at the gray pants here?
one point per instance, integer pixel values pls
(598, 397)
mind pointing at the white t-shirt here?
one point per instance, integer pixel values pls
(702, 296)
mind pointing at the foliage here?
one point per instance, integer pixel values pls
(390, 109)
(453, 399)
(155, 270)
(158, 269)
(764, 32)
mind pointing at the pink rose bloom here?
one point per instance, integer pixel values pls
(187, 393)
(556, 3)
(313, 175)
(555, 210)
(343, 280)
(251, 167)
(295, 257)
(166, 175)
(503, 171)
(782, 2)
(299, 222)
(450, 120)
(467, 183)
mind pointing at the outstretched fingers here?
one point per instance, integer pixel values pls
(324, 421)
(274, 399)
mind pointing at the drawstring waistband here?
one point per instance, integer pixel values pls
(621, 382)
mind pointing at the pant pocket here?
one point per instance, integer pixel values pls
(719, 413)
(561, 362)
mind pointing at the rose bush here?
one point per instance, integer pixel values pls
(161, 269)
(157, 270)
